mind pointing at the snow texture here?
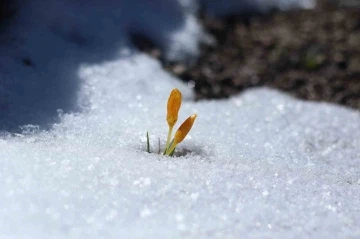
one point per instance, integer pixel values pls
(258, 165)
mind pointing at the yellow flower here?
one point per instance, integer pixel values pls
(184, 129)
(181, 133)
(173, 107)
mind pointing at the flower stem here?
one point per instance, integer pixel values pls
(168, 139)
(171, 148)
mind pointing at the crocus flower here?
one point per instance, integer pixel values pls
(173, 107)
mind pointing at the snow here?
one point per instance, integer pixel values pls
(258, 165)
(219, 8)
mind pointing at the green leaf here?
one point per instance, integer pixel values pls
(147, 142)
(172, 153)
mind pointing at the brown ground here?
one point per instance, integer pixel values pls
(312, 54)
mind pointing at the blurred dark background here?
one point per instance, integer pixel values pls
(7, 10)
(311, 54)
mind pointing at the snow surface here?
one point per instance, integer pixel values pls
(217, 7)
(258, 165)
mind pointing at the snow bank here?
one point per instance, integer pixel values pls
(43, 49)
(260, 164)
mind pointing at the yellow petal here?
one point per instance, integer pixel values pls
(184, 129)
(173, 107)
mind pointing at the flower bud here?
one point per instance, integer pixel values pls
(184, 129)
(173, 107)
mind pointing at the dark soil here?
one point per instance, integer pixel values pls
(311, 54)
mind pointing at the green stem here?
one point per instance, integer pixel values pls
(171, 149)
(168, 139)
